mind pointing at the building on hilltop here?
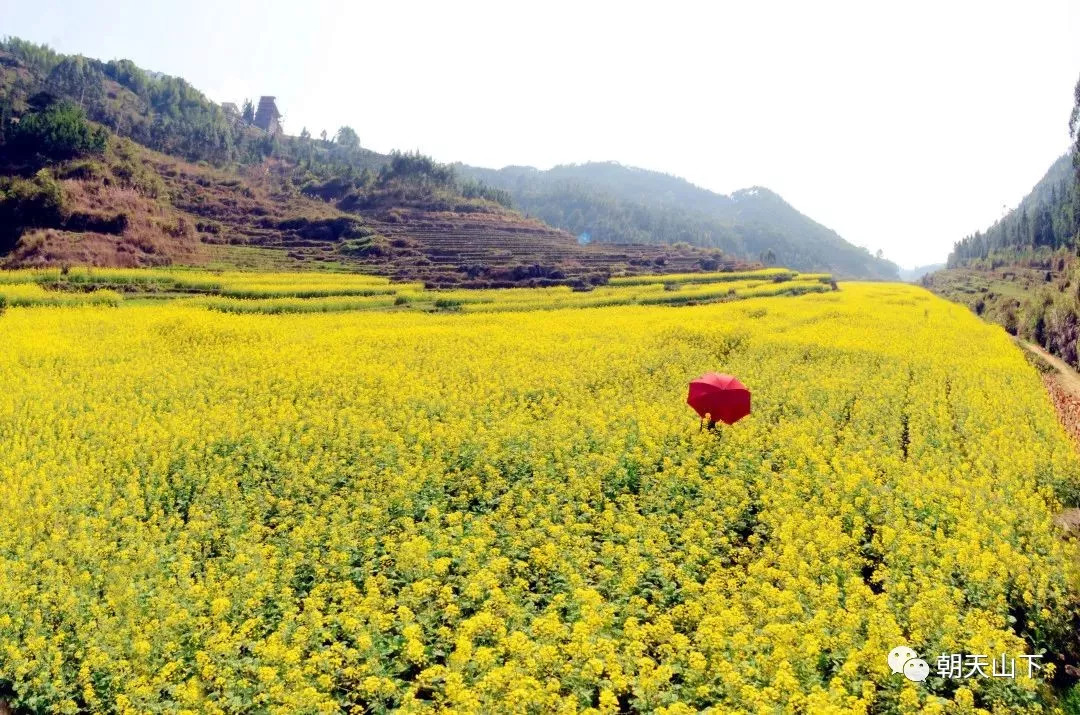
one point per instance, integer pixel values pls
(267, 116)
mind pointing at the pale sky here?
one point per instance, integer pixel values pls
(902, 125)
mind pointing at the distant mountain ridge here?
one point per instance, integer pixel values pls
(613, 203)
(914, 274)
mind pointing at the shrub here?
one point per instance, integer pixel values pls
(416, 166)
(83, 170)
(363, 247)
(473, 189)
(133, 175)
(98, 223)
(57, 132)
(1033, 326)
(37, 202)
(1008, 320)
(329, 229)
(1062, 331)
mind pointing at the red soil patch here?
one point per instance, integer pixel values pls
(1066, 403)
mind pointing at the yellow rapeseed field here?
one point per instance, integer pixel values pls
(516, 511)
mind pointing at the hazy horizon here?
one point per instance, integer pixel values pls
(903, 128)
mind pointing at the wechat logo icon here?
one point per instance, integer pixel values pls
(906, 661)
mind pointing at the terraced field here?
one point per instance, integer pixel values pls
(140, 208)
(255, 292)
(480, 249)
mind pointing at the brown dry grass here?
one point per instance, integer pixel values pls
(155, 235)
(177, 211)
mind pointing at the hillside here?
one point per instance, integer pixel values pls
(1022, 271)
(107, 164)
(1041, 223)
(611, 203)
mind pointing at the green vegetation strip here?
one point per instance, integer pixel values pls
(279, 293)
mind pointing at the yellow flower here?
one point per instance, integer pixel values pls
(222, 498)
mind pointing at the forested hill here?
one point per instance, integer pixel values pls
(107, 164)
(612, 203)
(1044, 221)
(73, 129)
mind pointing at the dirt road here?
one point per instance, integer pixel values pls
(1066, 375)
(1063, 384)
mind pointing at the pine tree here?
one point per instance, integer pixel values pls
(347, 137)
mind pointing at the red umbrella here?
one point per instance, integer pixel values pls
(722, 397)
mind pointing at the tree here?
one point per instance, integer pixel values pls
(79, 79)
(5, 119)
(323, 136)
(130, 75)
(416, 166)
(59, 131)
(41, 57)
(26, 203)
(271, 145)
(305, 135)
(768, 257)
(347, 138)
(248, 112)
(1074, 131)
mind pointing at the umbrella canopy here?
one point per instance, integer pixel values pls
(722, 397)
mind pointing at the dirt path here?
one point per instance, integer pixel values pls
(1065, 375)
(1063, 384)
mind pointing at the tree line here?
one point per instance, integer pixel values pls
(1041, 233)
(1046, 220)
